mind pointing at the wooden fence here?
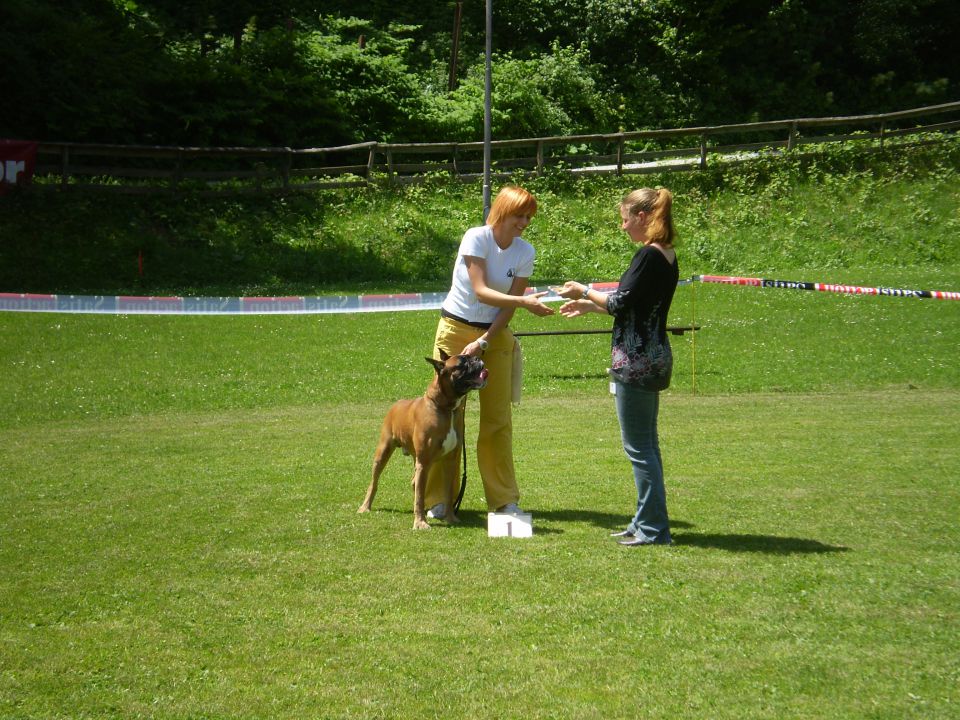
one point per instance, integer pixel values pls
(149, 169)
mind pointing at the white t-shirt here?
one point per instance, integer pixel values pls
(502, 267)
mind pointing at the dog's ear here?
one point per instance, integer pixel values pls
(437, 364)
(443, 355)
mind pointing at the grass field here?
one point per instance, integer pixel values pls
(60, 366)
(179, 537)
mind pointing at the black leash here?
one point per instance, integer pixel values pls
(463, 476)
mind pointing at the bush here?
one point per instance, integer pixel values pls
(552, 94)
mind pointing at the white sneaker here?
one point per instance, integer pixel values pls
(511, 509)
(437, 511)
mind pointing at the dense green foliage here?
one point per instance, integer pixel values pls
(308, 73)
(842, 211)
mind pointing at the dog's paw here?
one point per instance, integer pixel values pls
(420, 525)
(452, 519)
(363, 509)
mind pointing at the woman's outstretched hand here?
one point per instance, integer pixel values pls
(576, 308)
(569, 290)
(532, 303)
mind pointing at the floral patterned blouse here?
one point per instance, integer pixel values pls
(641, 352)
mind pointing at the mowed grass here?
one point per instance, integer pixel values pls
(179, 537)
(60, 366)
(213, 565)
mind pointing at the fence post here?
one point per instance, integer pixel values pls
(792, 136)
(883, 131)
(371, 160)
(620, 148)
(539, 157)
(285, 168)
(703, 151)
(456, 151)
(177, 171)
(389, 154)
(64, 165)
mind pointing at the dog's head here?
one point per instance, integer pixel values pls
(463, 372)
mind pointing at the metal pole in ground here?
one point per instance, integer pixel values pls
(693, 342)
(486, 112)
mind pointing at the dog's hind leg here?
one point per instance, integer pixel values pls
(380, 458)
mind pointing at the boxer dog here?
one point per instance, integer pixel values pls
(424, 427)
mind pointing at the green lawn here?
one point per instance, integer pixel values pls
(179, 537)
(213, 565)
(59, 366)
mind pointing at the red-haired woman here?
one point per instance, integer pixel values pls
(490, 276)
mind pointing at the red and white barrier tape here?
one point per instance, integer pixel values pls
(827, 287)
(134, 305)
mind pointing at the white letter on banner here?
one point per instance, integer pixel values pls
(13, 168)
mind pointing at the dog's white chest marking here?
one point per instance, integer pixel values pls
(450, 441)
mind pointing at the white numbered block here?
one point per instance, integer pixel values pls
(509, 525)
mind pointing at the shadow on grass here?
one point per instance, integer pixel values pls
(607, 521)
(770, 544)
(576, 376)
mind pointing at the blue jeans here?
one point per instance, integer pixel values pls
(637, 411)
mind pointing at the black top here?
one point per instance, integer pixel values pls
(640, 353)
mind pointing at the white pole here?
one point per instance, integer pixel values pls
(486, 113)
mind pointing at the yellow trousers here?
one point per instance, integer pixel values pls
(495, 433)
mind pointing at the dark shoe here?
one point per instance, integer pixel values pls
(622, 533)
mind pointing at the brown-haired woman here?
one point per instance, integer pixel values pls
(641, 359)
(490, 277)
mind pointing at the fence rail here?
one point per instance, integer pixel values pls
(150, 169)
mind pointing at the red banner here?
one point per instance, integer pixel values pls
(17, 160)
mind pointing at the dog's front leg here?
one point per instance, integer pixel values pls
(451, 465)
(419, 483)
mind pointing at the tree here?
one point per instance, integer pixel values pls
(294, 72)
(75, 70)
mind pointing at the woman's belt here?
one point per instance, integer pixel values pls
(451, 316)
